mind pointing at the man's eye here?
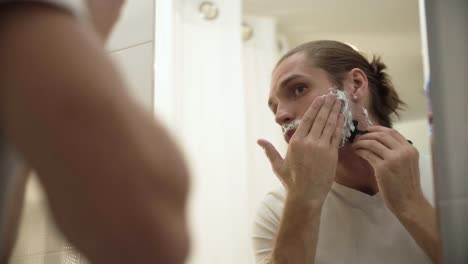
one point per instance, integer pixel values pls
(299, 90)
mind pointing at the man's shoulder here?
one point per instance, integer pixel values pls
(273, 201)
(276, 194)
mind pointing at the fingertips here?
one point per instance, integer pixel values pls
(361, 144)
(310, 116)
(377, 129)
(261, 142)
(340, 124)
(337, 107)
(319, 100)
(341, 120)
(330, 99)
(317, 103)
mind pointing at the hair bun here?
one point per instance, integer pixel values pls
(378, 67)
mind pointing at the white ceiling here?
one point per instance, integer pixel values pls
(389, 28)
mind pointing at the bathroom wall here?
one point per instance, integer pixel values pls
(418, 132)
(131, 45)
(200, 96)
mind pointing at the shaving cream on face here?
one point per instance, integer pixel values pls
(348, 127)
(290, 125)
(366, 114)
(346, 110)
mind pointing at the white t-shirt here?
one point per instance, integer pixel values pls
(354, 227)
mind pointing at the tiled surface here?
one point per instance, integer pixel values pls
(136, 64)
(65, 257)
(136, 25)
(34, 223)
(38, 239)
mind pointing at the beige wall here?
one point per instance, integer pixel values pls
(416, 131)
(131, 46)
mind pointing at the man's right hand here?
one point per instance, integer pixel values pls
(309, 168)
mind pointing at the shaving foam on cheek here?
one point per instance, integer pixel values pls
(366, 114)
(345, 110)
(348, 127)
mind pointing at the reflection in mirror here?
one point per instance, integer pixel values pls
(370, 200)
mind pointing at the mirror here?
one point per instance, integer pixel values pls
(358, 208)
(221, 75)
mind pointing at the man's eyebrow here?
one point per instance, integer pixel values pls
(287, 80)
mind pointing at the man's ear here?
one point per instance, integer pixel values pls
(358, 85)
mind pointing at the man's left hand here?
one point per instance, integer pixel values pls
(396, 166)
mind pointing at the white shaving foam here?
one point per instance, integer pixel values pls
(348, 127)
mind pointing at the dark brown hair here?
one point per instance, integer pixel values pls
(337, 59)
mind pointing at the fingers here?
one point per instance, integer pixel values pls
(338, 135)
(322, 117)
(369, 156)
(309, 117)
(392, 132)
(382, 137)
(330, 127)
(272, 154)
(373, 146)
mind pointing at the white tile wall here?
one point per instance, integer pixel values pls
(136, 64)
(136, 25)
(131, 45)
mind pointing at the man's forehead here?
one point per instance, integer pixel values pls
(290, 66)
(293, 62)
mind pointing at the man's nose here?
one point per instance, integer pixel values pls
(283, 117)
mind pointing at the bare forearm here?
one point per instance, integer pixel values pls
(420, 220)
(297, 237)
(114, 178)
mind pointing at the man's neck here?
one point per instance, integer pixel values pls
(354, 172)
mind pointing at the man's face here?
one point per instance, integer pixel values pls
(294, 86)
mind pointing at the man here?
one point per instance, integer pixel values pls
(115, 181)
(359, 203)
